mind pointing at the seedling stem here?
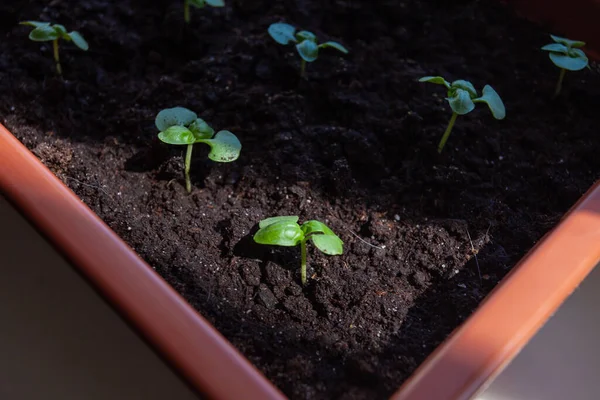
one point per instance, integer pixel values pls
(303, 69)
(303, 262)
(447, 133)
(560, 81)
(188, 161)
(56, 56)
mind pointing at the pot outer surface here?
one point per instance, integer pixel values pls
(353, 146)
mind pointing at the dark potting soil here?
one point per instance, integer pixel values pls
(353, 146)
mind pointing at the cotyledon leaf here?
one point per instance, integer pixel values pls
(225, 147)
(461, 102)
(282, 33)
(44, 33)
(309, 51)
(79, 41)
(177, 134)
(271, 220)
(281, 233)
(328, 244)
(494, 102)
(174, 116)
(334, 45)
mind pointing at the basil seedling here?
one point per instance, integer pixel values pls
(199, 4)
(46, 32)
(462, 98)
(181, 126)
(566, 55)
(285, 231)
(306, 42)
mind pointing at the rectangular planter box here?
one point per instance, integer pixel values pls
(461, 368)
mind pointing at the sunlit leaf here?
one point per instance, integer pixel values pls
(177, 135)
(328, 244)
(201, 129)
(225, 147)
(314, 226)
(271, 220)
(215, 3)
(282, 233)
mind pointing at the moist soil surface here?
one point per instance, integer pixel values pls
(354, 146)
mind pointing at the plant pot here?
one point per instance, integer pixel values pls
(458, 369)
(353, 143)
(171, 327)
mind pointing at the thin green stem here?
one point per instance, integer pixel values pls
(447, 133)
(303, 68)
(188, 161)
(56, 56)
(559, 83)
(186, 11)
(303, 262)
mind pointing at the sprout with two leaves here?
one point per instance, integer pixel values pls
(566, 55)
(46, 32)
(462, 98)
(285, 231)
(306, 43)
(199, 4)
(181, 126)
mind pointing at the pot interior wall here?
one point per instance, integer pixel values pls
(562, 361)
(59, 339)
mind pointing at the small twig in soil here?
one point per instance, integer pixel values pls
(475, 254)
(91, 186)
(382, 247)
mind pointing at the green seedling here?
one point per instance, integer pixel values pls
(462, 98)
(46, 32)
(567, 56)
(199, 4)
(181, 126)
(285, 231)
(306, 43)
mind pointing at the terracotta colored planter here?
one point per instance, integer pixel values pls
(514, 311)
(210, 363)
(460, 368)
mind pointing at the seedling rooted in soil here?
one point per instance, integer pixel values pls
(181, 126)
(285, 231)
(566, 55)
(199, 4)
(462, 97)
(306, 42)
(46, 32)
